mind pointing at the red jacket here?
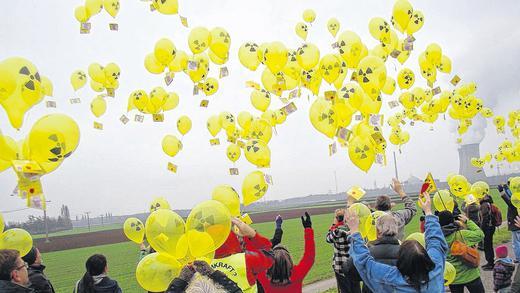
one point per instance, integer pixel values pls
(257, 261)
(299, 271)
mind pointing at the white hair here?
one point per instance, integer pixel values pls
(386, 225)
(203, 284)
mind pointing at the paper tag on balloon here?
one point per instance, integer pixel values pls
(280, 81)
(358, 117)
(408, 46)
(204, 103)
(152, 8)
(98, 126)
(412, 123)
(344, 133)
(455, 80)
(252, 84)
(268, 179)
(375, 120)
(37, 201)
(50, 104)
(168, 78)
(330, 95)
(195, 89)
(395, 53)
(332, 148)
(27, 169)
(378, 138)
(193, 65)
(223, 72)
(85, 28)
(184, 20)
(294, 93)
(284, 100)
(214, 141)
(290, 108)
(410, 39)
(233, 171)
(158, 117)
(172, 167)
(139, 118)
(335, 45)
(393, 104)
(436, 90)
(113, 26)
(231, 139)
(380, 159)
(111, 92)
(75, 100)
(246, 219)
(124, 119)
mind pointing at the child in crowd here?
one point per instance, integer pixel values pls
(503, 270)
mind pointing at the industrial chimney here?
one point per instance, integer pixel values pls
(472, 173)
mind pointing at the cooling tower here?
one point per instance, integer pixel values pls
(466, 152)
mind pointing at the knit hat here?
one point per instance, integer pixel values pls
(445, 218)
(30, 257)
(501, 251)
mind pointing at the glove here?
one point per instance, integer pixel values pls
(500, 188)
(279, 222)
(187, 273)
(202, 267)
(307, 221)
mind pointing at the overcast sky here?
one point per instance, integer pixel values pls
(121, 168)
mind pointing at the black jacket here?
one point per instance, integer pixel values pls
(10, 287)
(512, 212)
(485, 212)
(106, 285)
(179, 285)
(39, 281)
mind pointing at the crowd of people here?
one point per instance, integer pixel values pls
(387, 264)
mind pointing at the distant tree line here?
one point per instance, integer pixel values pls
(36, 224)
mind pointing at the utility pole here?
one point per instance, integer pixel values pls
(395, 165)
(88, 220)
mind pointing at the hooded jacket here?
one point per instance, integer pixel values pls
(102, 284)
(10, 287)
(512, 212)
(39, 281)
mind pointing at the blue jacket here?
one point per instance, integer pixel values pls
(384, 278)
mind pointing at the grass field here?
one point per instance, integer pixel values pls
(81, 230)
(64, 268)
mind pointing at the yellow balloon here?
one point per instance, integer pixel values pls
(404, 54)
(258, 153)
(379, 51)
(134, 230)
(78, 79)
(301, 30)
(111, 7)
(171, 102)
(254, 187)
(260, 99)
(363, 212)
(309, 15)
(338, 83)
(330, 68)
(155, 272)
(93, 7)
(96, 86)
(180, 62)
(402, 13)
(245, 119)
(308, 56)
(261, 129)
(379, 29)
(167, 7)
(270, 117)
(210, 86)
(371, 105)
(248, 55)
(370, 225)
(350, 48)
(96, 73)
(229, 197)
(112, 73)
(419, 96)
(220, 42)
(7, 82)
(2, 224)
(201, 67)
(405, 78)
(389, 86)
(17, 239)
(445, 65)
(227, 120)
(98, 106)
(415, 23)
(163, 229)
(333, 26)
(371, 74)
(47, 87)
(479, 189)
(323, 117)
(344, 112)
(433, 54)
(213, 124)
(159, 203)
(353, 93)
(459, 185)
(443, 201)
(164, 51)
(171, 145)
(417, 236)
(449, 273)
(361, 152)
(81, 14)
(275, 56)
(199, 39)
(184, 124)
(209, 224)
(53, 138)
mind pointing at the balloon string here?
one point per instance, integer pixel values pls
(442, 201)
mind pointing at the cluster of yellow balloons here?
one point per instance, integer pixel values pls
(167, 7)
(17, 239)
(177, 242)
(163, 56)
(157, 101)
(101, 78)
(405, 19)
(84, 12)
(21, 87)
(462, 188)
(51, 140)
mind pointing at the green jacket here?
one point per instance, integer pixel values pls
(472, 236)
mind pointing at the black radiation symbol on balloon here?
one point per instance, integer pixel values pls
(260, 190)
(82, 76)
(155, 206)
(225, 36)
(328, 116)
(202, 222)
(253, 147)
(36, 76)
(347, 91)
(364, 74)
(362, 152)
(136, 226)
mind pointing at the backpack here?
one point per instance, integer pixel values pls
(496, 216)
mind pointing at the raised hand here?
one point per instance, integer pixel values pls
(397, 187)
(307, 221)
